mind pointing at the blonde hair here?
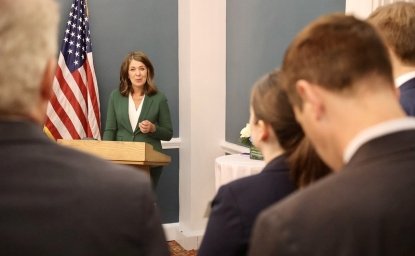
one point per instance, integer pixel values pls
(28, 39)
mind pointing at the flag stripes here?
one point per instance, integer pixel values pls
(74, 110)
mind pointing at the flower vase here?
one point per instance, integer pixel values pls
(255, 153)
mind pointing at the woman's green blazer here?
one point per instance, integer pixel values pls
(155, 109)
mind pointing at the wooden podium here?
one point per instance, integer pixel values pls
(138, 154)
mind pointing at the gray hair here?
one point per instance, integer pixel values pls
(28, 39)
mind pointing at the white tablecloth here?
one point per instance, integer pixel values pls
(232, 167)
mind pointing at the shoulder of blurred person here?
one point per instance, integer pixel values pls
(91, 202)
(407, 96)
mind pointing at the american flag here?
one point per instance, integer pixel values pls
(73, 110)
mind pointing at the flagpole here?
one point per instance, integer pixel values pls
(87, 9)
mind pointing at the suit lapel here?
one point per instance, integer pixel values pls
(144, 110)
(125, 119)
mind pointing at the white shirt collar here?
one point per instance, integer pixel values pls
(400, 80)
(396, 125)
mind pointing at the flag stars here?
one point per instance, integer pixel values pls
(77, 35)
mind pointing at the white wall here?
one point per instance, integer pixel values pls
(362, 8)
(359, 8)
(202, 89)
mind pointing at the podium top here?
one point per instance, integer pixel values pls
(124, 152)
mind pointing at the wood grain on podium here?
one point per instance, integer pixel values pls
(123, 152)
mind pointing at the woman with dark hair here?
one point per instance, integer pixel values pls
(137, 111)
(291, 163)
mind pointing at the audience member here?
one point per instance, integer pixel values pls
(54, 200)
(339, 79)
(281, 140)
(396, 22)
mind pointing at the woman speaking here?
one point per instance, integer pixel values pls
(137, 111)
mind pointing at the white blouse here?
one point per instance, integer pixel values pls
(134, 113)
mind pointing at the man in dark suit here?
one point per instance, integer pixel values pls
(54, 200)
(339, 79)
(396, 22)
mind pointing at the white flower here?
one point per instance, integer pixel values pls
(246, 131)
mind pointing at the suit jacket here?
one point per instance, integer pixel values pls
(58, 201)
(155, 109)
(238, 203)
(407, 97)
(365, 209)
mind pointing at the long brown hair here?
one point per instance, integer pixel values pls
(270, 104)
(125, 83)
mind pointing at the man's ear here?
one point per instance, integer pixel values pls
(47, 80)
(311, 97)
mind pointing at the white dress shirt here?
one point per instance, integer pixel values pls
(400, 80)
(134, 113)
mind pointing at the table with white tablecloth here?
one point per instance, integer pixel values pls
(232, 167)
